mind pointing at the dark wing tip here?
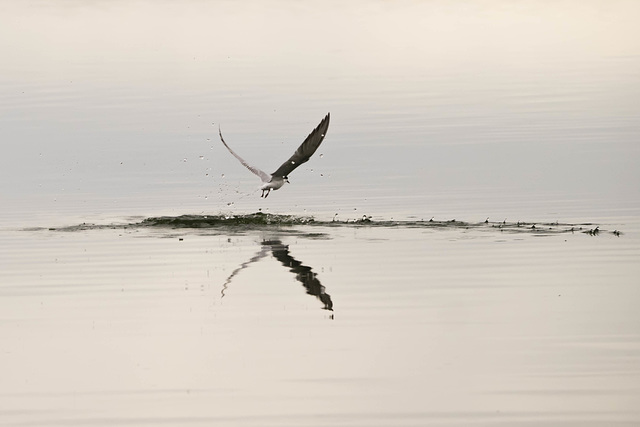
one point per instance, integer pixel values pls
(324, 124)
(306, 149)
(322, 128)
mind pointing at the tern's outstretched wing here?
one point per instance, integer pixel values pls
(306, 149)
(265, 177)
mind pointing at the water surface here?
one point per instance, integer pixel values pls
(435, 263)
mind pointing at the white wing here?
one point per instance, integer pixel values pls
(265, 177)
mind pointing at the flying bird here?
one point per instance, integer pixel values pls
(277, 179)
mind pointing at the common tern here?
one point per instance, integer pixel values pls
(277, 179)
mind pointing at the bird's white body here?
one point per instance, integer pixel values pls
(277, 179)
(274, 184)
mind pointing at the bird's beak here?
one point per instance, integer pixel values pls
(287, 180)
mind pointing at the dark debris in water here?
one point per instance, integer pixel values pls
(503, 226)
(260, 220)
(212, 221)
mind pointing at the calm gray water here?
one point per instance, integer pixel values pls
(511, 111)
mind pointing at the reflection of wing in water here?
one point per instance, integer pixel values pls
(263, 253)
(303, 273)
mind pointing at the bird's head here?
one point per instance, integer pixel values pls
(286, 179)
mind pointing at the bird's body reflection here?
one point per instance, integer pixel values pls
(304, 274)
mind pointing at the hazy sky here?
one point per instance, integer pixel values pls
(426, 97)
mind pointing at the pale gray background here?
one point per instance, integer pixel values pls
(473, 109)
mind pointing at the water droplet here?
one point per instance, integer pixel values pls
(292, 162)
(206, 197)
(201, 157)
(311, 170)
(222, 175)
(184, 160)
(321, 155)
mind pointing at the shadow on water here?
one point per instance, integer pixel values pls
(304, 274)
